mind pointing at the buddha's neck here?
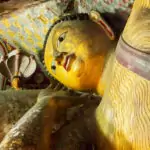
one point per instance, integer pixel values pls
(137, 30)
(105, 77)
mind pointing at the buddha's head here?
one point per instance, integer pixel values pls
(75, 51)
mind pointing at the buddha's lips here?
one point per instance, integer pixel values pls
(67, 62)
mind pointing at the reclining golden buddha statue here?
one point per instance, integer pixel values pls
(73, 52)
(85, 59)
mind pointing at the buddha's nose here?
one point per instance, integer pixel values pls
(57, 54)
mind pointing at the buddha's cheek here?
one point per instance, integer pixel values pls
(77, 68)
(68, 78)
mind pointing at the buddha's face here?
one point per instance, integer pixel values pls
(75, 53)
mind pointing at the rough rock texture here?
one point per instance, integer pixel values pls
(13, 105)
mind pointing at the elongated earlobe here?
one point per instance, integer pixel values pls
(96, 17)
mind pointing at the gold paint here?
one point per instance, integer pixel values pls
(1, 31)
(37, 36)
(11, 33)
(17, 24)
(107, 70)
(15, 83)
(6, 23)
(30, 40)
(125, 105)
(123, 116)
(127, 99)
(137, 30)
(43, 19)
(40, 44)
(90, 53)
(28, 31)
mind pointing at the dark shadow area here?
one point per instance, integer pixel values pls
(116, 21)
(82, 134)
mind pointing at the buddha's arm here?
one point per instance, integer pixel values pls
(41, 116)
(55, 104)
(123, 115)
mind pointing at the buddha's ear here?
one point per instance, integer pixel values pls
(96, 17)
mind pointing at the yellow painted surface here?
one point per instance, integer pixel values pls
(27, 28)
(87, 66)
(137, 30)
(123, 116)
